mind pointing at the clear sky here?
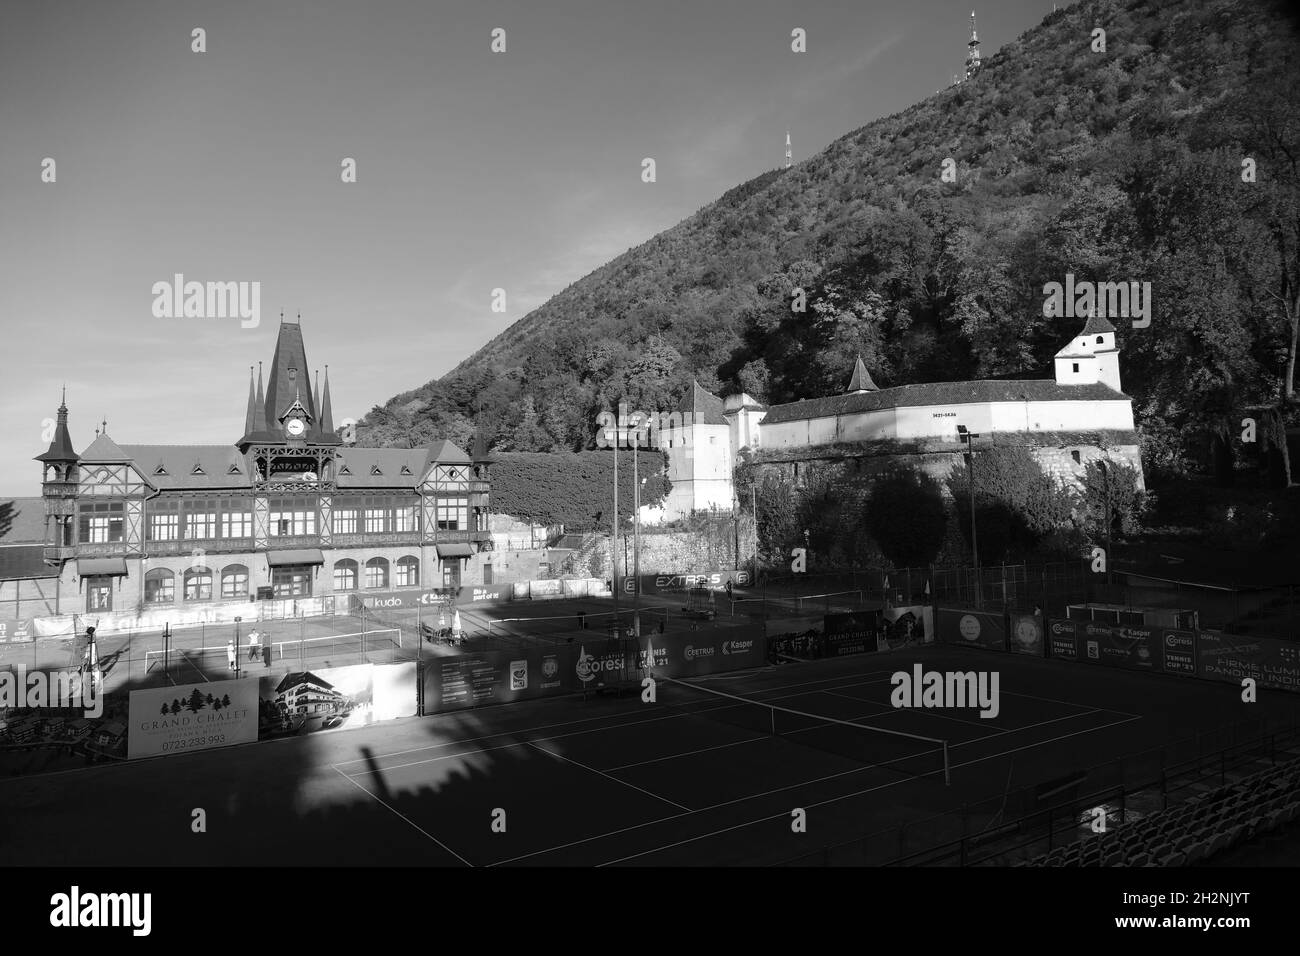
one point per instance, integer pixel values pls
(519, 170)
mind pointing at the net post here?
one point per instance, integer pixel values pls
(771, 713)
(947, 771)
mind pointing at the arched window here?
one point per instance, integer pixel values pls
(198, 584)
(159, 586)
(377, 573)
(408, 571)
(1100, 340)
(1075, 455)
(234, 582)
(345, 575)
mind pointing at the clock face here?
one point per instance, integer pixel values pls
(295, 427)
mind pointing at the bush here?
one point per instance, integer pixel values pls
(907, 518)
(1017, 505)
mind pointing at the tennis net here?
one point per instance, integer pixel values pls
(909, 754)
(569, 623)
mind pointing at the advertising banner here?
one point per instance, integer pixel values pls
(854, 632)
(500, 677)
(1063, 639)
(668, 582)
(1027, 634)
(973, 628)
(1230, 657)
(433, 597)
(905, 626)
(1135, 648)
(190, 717)
(17, 630)
(303, 702)
(1179, 651)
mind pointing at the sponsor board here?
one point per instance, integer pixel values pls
(432, 597)
(713, 580)
(1063, 639)
(973, 628)
(1027, 634)
(853, 632)
(905, 627)
(1230, 657)
(17, 630)
(190, 717)
(1136, 648)
(1178, 651)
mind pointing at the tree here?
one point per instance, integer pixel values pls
(1110, 491)
(1017, 505)
(907, 517)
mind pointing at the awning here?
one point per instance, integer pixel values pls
(101, 567)
(454, 550)
(278, 559)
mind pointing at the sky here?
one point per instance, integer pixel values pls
(475, 171)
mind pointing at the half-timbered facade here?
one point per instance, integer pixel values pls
(293, 509)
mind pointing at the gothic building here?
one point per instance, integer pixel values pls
(292, 509)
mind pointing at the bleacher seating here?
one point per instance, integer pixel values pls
(1196, 830)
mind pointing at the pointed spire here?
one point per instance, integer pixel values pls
(250, 417)
(326, 411)
(61, 445)
(315, 398)
(861, 381)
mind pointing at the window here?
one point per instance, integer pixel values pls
(101, 522)
(164, 521)
(1099, 340)
(234, 582)
(453, 514)
(345, 575)
(99, 595)
(408, 572)
(159, 587)
(376, 520)
(1076, 366)
(345, 522)
(198, 584)
(404, 518)
(292, 516)
(200, 519)
(1075, 455)
(291, 581)
(236, 523)
(451, 573)
(377, 573)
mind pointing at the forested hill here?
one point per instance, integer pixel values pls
(1122, 165)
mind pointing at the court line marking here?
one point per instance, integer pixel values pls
(782, 816)
(401, 816)
(608, 777)
(766, 793)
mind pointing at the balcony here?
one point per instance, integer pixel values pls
(55, 555)
(460, 537)
(372, 539)
(206, 545)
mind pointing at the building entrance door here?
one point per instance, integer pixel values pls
(99, 594)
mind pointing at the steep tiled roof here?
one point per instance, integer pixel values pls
(942, 393)
(1097, 325)
(22, 521)
(703, 407)
(104, 450)
(178, 466)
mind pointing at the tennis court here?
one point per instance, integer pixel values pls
(699, 779)
(692, 779)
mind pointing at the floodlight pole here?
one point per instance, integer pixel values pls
(636, 534)
(968, 438)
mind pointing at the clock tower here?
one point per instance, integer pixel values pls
(288, 442)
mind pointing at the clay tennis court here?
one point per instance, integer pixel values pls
(613, 781)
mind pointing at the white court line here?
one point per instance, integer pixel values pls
(898, 710)
(783, 815)
(608, 777)
(766, 793)
(401, 816)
